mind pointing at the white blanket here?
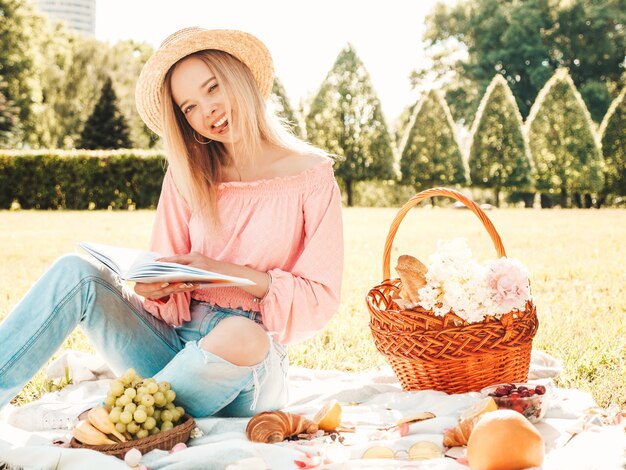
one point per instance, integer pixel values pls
(574, 430)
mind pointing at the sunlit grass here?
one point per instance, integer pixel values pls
(576, 259)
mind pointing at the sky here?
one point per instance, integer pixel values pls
(304, 37)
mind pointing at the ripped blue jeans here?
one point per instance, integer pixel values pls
(78, 291)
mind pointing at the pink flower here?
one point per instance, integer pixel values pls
(508, 281)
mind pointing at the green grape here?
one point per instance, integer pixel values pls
(166, 415)
(120, 427)
(142, 390)
(165, 386)
(175, 415)
(157, 415)
(125, 380)
(126, 417)
(116, 388)
(143, 407)
(155, 430)
(170, 396)
(130, 392)
(124, 400)
(147, 400)
(166, 426)
(131, 374)
(152, 387)
(181, 411)
(109, 400)
(150, 410)
(131, 407)
(159, 399)
(142, 433)
(114, 415)
(170, 406)
(132, 427)
(138, 397)
(150, 423)
(140, 416)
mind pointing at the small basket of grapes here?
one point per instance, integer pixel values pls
(529, 399)
(137, 413)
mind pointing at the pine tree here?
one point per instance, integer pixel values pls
(106, 128)
(498, 157)
(431, 155)
(283, 108)
(613, 137)
(345, 118)
(562, 141)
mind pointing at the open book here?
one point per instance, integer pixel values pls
(140, 266)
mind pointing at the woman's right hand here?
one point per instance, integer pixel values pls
(162, 290)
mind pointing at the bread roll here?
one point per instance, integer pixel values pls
(412, 273)
(504, 440)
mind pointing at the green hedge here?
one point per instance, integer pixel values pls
(81, 179)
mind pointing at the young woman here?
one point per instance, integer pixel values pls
(241, 196)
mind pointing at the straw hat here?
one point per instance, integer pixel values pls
(245, 47)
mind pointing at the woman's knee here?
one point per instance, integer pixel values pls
(238, 340)
(73, 264)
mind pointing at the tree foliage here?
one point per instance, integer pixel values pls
(282, 106)
(613, 138)
(106, 128)
(123, 64)
(19, 30)
(498, 157)
(345, 118)
(52, 76)
(431, 155)
(526, 41)
(8, 117)
(562, 140)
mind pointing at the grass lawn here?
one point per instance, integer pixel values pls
(577, 261)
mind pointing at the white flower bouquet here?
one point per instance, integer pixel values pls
(456, 282)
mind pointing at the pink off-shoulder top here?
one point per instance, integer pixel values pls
(288, 226)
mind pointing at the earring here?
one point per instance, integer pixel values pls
(201, 143)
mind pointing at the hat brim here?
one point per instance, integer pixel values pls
(244, 46)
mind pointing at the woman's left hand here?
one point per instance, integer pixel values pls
(195, 259)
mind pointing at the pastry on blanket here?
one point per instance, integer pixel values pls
(276, 426)
(412, 273)
(459, 435)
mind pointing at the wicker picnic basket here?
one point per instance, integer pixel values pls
(446, 353)
(164, 440)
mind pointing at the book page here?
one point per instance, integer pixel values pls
(140, 266)
(120, 260)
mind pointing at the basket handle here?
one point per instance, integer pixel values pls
(495, 238)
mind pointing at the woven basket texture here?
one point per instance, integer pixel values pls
(428, 352)
(163, 440)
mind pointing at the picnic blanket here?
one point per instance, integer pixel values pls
(578, 434)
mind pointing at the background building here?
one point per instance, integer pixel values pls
(79, 15)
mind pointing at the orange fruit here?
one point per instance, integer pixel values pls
(329, 417)
(483, 406)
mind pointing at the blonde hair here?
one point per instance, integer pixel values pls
(198, 169)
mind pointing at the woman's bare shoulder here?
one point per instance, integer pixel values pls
(294, 163)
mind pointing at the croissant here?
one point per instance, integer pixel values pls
(459, 435)
(276, 426)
